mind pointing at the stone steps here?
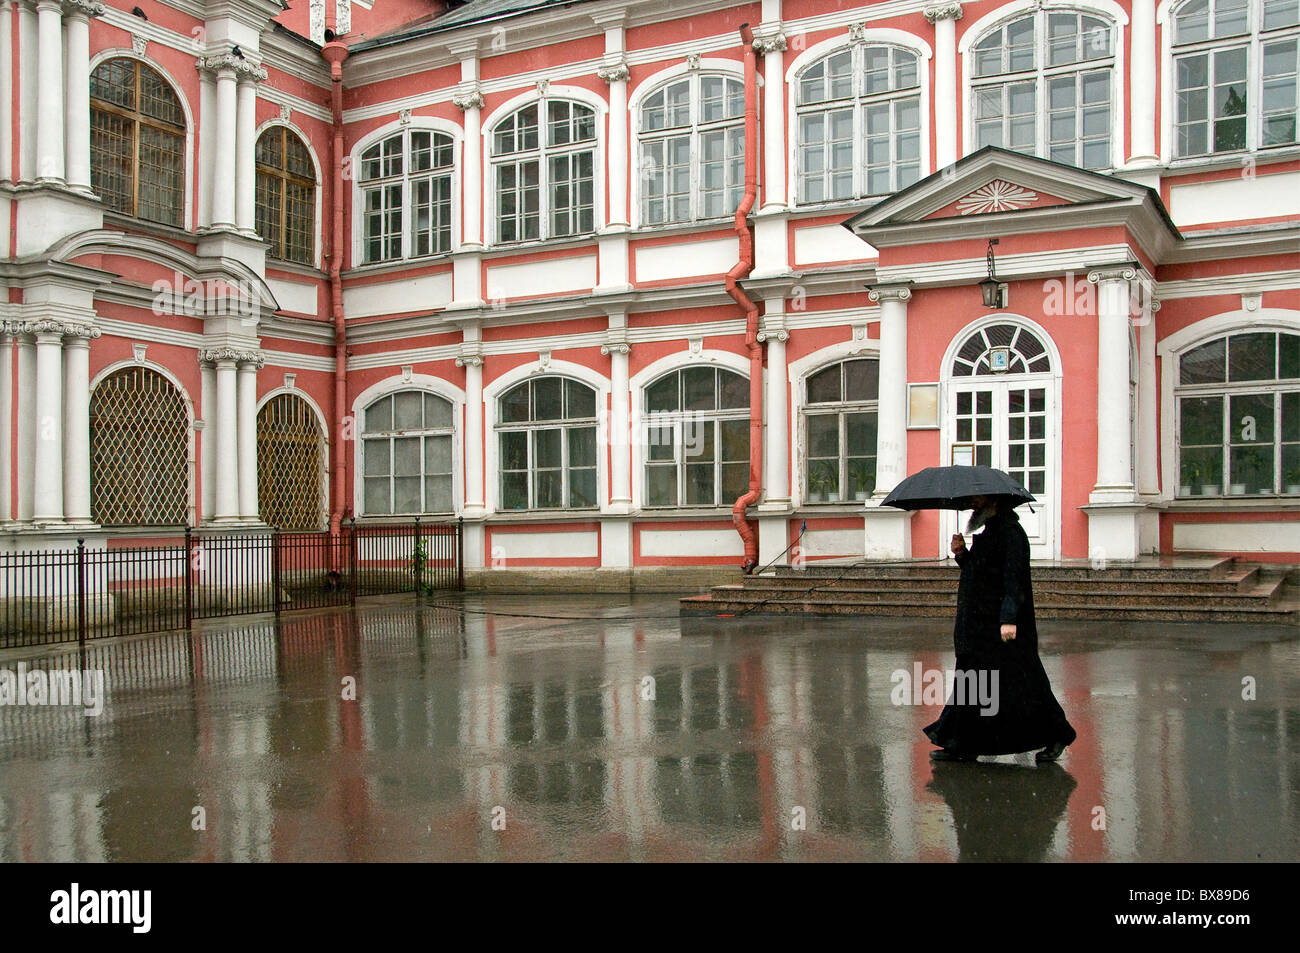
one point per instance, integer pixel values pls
(1197, 590)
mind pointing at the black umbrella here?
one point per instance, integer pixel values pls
(951, 488)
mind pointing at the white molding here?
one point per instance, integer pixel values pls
(188, 216)
(1228, 284)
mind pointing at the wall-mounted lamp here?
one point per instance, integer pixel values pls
(993, 291)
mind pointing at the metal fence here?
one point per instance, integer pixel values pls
(71, 595)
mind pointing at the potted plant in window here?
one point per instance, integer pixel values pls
(1291, 479)
(860, 479)
(1191, 477)
(820, 485)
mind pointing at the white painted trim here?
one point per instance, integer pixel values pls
(317, 232)
(638, 383)
(555, 368)
(191, 461)
(1173, 346)
(425, 383)
(488, 127)
(875, 36)
(188, 219)
(431, 123)
(1107, 9)
(325, 471)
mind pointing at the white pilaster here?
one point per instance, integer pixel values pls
(776, 413)
(245, 136)
(770, 43)
(1142, 83)
(77, 14)
(889, 530)
(618, 349)
(1148, 429)
(223, 164)
(25, 469)
(48, 496)
(614, 71)
(208, 440)
(227, 443)
(247, 438)
(27, 59)
(944, 16)
(6, 98)
(1114, 412)
(469, 98)
(6, 408)
(471, 359)
(76, 424)
(50, 166)
(207, 145)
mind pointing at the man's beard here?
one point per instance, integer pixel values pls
(979, 517)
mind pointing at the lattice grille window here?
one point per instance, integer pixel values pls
(137, 142)
(286, 196)
(289, 453)
(139, 451)
(1025, 353)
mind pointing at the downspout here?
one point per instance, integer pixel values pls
(742, 268)
(335, 52)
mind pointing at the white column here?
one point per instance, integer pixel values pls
(48, 496)
(1142, 82)
(1148, 428)
(616, 152)
(6, 96)
(223, 164)
(772, 44)
(473, 436)
(1114, 413)
(246, 427)
(944, 16)
(891, 427)
(207, 144)
(77, 127)
(26, 464)
(76, 426)
(245, 136)
(776, 413)
(6, 410)
(208, 440)
(620, 464)
(49, 92)
(226, 421)
(469, 99)
(27, 59)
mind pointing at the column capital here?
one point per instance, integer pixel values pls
(48, 326)
(467, 96)
(229, 62)
(899, 292)
(471, 354)
(615, 71)
(232, 355)
(942, 11)
(768, 38)
(616, 347)
(773, 328)
(1126, 271)
(83, 8)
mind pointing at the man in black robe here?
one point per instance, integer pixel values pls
(996, 637)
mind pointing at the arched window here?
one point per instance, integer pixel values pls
(1235, 75)
(137, 142)
(289, 464)
(1001, 349)
(286, 196)
(1239, 415)
(406, 451)
(692, 149)
(545, 183)
(405, 187)
(697, 438)
(840, 431)
(1042, 85)
(547, 433)
(139, 451)
(859, 124)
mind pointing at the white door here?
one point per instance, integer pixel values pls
(1010, 424)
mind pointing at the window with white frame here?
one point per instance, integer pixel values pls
(1236, 64)
(545, 179)
(1238, 402)
(692, 137)
(697, 438)
(1042, 84)
(546, 429)
(406, 449)
(405, 185)
(840, 432)
(859, 124)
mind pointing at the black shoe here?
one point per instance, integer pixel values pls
(950, 754)
(1050, 753)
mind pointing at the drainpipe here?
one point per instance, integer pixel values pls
(335, 52)
(742, 268)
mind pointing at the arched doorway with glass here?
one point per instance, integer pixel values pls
(1002, 409)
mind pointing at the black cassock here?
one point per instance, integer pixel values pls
(994, 590)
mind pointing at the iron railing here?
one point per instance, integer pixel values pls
(71, 595)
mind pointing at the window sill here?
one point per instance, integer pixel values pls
(542, 516)
(401, 264)
(129, 223)
(1192, 504)
(294, 268)
(535, 244)
(1233, 160)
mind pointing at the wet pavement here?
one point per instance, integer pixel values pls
(601, 731)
